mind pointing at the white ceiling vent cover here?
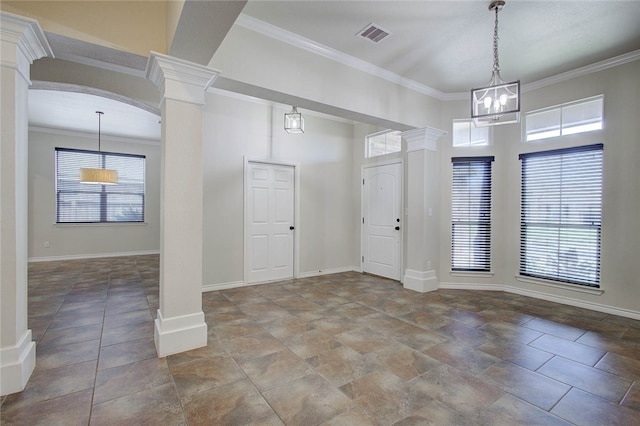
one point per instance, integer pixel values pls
(373, 32)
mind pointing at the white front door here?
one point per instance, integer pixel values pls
(381, 221)
(269, 222)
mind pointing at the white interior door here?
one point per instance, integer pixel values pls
(382, 225)
(269, 221)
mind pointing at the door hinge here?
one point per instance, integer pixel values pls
(363, 181)
(363, 258)
(363, 220)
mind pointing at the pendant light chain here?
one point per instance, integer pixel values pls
(496, 63)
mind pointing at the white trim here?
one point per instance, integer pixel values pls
(425, 138)
(420, 281)
(328, 272)
(477, 274)
(179, 334)
(628, 313)
(92, 256)
(563, 286)
(296, 211)
(222, 286)
(16, 364)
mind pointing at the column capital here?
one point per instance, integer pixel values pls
(424, 138)
(179, 79)
(27, 38)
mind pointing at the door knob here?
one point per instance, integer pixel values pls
(397, 228)
(292, 228)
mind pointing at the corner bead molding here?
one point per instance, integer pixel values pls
(179, 79)
(425, 138)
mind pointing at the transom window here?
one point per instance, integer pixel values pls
(82, 203)
(382, 143)
(561, 215)
(465, 133)
(574, 117)
(471, 214)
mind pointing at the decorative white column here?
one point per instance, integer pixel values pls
(23, 41)
(423, 195)
(180, 325)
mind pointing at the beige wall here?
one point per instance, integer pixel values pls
(68, 241)
(621, 197)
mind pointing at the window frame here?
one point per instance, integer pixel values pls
(569, 244)
(103, 191)
(561, 125)
(483, 202)
(367, 147)
(471, 124)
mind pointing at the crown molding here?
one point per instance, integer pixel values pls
(298, 41)
(88, 135)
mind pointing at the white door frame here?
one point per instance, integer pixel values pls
(402, 209)
(296, 212)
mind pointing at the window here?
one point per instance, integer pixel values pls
(465, 133)
(382, 143)
(575, 117)
(81, 203)
(471, 214)
(561, 215)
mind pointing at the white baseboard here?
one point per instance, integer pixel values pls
(420, 281)
(16, 364)
(222, 286)
(328, 271)
(179, 334)
(628, 313)
(92, 256)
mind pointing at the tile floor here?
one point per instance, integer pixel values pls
(344, 349)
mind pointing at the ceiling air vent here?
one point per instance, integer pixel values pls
(373, 32)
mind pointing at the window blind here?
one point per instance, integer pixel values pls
(561, 215)
(471, 214)
(82, 203)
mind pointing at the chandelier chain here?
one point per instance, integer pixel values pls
(496, 63)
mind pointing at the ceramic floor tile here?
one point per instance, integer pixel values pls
(213, 348)
(619, 346)
(582, 408)
(460, 391)
(72, 409)
(275, 369)
(462, 357)
(517, 353)
(435, 413)
(342, 365)
(572, 350)
(158, 405)
(310, 400)
(510, 410)
(632, 398)
(131, 378)
(126, 353)
(589, 379)
(195, 376)
(621, 366)
(253, 346)
(66, 336)
(237, 403)
(404, 361)
(72, 353)
(364, 340)
(551, 327)
(525, 384)
(504, 331)
(311, 343)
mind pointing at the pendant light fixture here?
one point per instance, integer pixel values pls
(99, 176)
(293, 121)
(498, 102)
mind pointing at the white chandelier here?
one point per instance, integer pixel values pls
(498, 102)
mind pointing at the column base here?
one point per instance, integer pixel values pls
(16, 365)
(179, 334)
(420, 281)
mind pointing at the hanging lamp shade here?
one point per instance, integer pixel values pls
(99, 176)
(293, 121)
(497, 102)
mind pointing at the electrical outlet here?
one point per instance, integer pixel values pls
(46, 244)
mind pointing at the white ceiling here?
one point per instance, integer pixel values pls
(77, 112)
(447, 45)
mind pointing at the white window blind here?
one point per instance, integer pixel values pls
(82, 203)
(471, 214)
(561, 215)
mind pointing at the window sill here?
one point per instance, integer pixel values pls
(478, 274)
(564, 286)
(99, 225)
